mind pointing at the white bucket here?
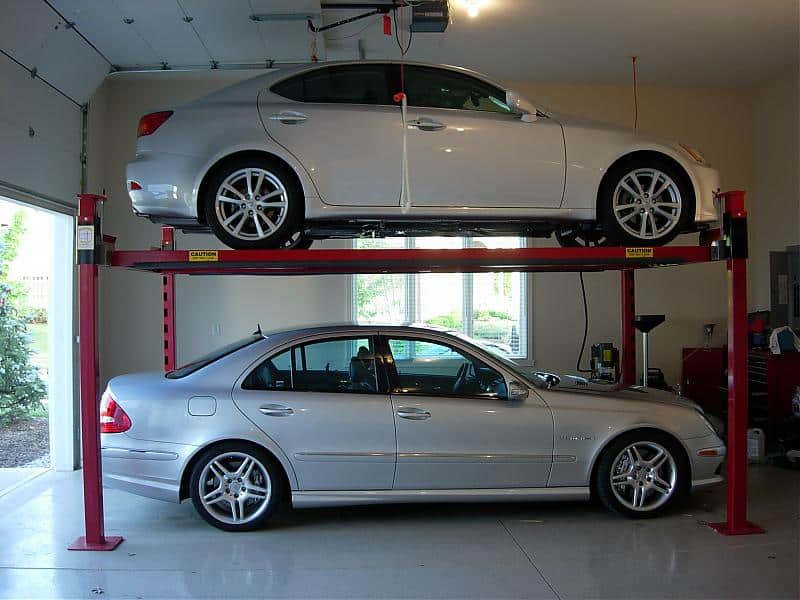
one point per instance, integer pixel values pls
(756, 446)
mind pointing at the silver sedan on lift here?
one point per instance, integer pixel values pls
(346, 415)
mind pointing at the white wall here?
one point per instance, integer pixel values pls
(719, 121)
(775, 205)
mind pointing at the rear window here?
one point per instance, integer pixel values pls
(214, 356)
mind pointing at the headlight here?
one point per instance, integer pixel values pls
(694, 153)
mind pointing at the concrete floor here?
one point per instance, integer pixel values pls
(444, 551)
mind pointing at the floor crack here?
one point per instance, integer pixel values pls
(530, 559)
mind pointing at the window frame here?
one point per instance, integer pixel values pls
(392, 375)
(381, 376)
(411, 307)
(386, 67)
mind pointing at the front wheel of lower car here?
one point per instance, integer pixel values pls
(253, 202)
(645, 202)
(641, 474)
(235, 487)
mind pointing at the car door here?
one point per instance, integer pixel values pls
(456, 427)
(466, 149)
(343, 129)
(325, 405)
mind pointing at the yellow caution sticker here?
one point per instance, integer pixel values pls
(638, 253)
(203, 255)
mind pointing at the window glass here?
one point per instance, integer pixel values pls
(487, 306)
(435, 369)
(273, 374)
(441, 88)
(360, 84)
(341, 365)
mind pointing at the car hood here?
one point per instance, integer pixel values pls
(577, 383)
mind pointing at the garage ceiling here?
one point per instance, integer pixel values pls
(736, 43)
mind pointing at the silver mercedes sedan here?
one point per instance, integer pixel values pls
(346, 415)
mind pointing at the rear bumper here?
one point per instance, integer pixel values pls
(167, 182)
(151, 469)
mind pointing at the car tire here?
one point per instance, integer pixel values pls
(236, 486)
(645, 193)
(253, 202)
(641, 488)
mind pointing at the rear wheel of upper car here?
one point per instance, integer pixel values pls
(235, 487)
(253, 202)
(645, 202)
(641, 474)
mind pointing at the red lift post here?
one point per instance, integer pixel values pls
(731, 246)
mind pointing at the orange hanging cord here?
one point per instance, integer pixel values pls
(635, 95)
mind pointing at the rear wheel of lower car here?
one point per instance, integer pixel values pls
(645, 202)
(235, 487)
(641, 474)
(253, 202)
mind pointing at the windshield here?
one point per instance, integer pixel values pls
(214, 356)
(499, 355)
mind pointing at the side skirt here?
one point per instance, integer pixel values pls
(310, 499)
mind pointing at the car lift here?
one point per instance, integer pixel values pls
(94, 249)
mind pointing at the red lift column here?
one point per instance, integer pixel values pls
(734, 243)
(168, 298)
(628, 333)
(89, 245)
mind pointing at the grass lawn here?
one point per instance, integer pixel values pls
(39, 342)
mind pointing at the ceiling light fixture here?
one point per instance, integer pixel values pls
(472, 7)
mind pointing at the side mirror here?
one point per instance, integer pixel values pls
(522, 107)
(550, 379)
(517, 392)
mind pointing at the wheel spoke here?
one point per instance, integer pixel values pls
(661, 486)
(272, 195)
(230, 188)
(279, 204)
(236, 509)
(637, 457)
(658, 459)
(218, 470)
(214, 496)
(639, 493)
(669, 216)
(628, 217)
(240, 224)
(259, 181)
(270, 224)
(662, 189)
(248, 175)
(228, 199)
(652, 220)
(643, 228)
(247, 463)
(233, 217)
(257, 221)
(653, 183)
(630, 190)
(622, 479)
(637, 183)
(256, 492)
(622, 207)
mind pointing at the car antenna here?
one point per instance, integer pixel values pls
(258, 330)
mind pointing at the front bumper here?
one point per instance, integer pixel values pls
(706, 182)
(705, 465)
(167, 182)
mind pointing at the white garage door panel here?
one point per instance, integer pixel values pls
(49, 162)
(37, 37)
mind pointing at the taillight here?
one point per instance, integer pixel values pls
(149, 123)
(134, 185)
(112, 418)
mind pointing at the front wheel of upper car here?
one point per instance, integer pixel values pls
(645, 202)
(253, 202)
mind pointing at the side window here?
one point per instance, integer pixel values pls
(442, 88)
(357, 84)
(340, 365)
(434, 369)
(273, 374)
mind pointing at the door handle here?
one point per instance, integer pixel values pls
(276, 410)
(414, 414)
(289, 117)
(425, 124)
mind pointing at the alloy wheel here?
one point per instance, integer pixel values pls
(251, 204)
(235, 488)
(644, 476)
(647, 204)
